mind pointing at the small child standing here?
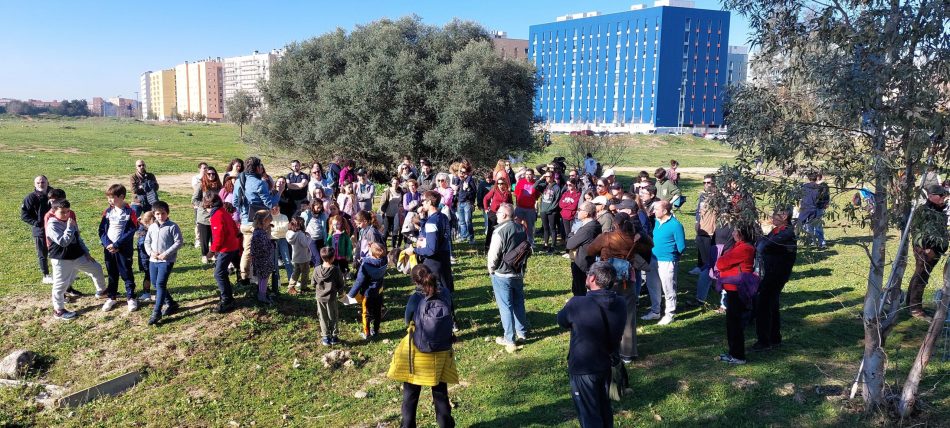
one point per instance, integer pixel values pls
(68, 255)
(328, 280)
(278, 236)
(300, 244)
(117, 231)
(339, 241)
(162, 243)
(144, 223)
(369, 284)
(60, 195)
(262, 253)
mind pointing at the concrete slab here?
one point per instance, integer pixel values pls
(110, 387)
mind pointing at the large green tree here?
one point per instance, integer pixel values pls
(857, 89)
(392, 88)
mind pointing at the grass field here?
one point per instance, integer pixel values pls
(262, 367)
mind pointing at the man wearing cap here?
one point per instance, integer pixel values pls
(609, 176)
(527, 192)
(365, 190)
(604, 217)
(930, 239)
(578, 243)
(669, 243)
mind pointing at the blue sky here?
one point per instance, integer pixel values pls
(82, 49)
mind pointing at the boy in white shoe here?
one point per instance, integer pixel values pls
(117, 233)
(68, 256)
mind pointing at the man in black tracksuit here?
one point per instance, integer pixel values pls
(596, 322)
(930, 241)
(34, 209)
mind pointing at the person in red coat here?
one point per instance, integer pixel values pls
(734, 262)
(226, 242)
(499, 194)
(527, 192)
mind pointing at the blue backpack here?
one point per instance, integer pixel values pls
(433, 323)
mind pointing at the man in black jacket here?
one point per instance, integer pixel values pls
(930, 240)
(596, 321)
(779, 250)
(579, 242)
(34, 209)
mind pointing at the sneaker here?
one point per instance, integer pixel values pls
(47, 279)
(133, 305)
(154, 319)
(758, 347)
(100, 295)
(627, 360)
(326, 342)
(169, 309)
(204, 260)
(146, 297)
(510, 347)
(726, 358)
(334, 340)
(453, 260)
(64, 315)
(695, 271)
(566, 255)
(74, 293)
(650, 316)
(363, 335)
(668, 318)
(108, 305)
(197, 244)
(520, 339)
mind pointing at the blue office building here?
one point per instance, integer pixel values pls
(655, 68)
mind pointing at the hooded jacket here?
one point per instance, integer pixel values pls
(328, 281)
(370, 277)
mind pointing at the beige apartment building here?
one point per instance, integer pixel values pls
(161, 88)
(199, 89)
(244, 73)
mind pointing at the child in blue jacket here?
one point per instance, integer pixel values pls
(369, 284)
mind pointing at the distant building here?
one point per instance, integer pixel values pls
(509, 48)
(44, 104)
(162, 96)
(737, 71)
(124, 107)
(649, 68)
(244, 73)
(96, 107)
(145, 85)
(198, 89)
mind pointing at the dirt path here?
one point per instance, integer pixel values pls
(681, 170)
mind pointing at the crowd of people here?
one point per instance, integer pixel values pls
(331, 233)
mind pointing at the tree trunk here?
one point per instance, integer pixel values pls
(909, 394)
(241, 127)
(872, 370)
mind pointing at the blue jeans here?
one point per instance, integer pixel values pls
(221, 274)
(509, 295)
(466, 228)
(159, 272)
(283, 253)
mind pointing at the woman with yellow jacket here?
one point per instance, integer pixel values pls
(425, 357)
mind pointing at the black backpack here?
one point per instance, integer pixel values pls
(433, 324)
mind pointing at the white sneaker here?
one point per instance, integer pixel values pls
(197, 244)
(145, 297)
(695, 271)
(204, 260)
(668, 318)
(64, 315)
(47, 279)
(108, 305)
(133, 305)
(650, 316)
